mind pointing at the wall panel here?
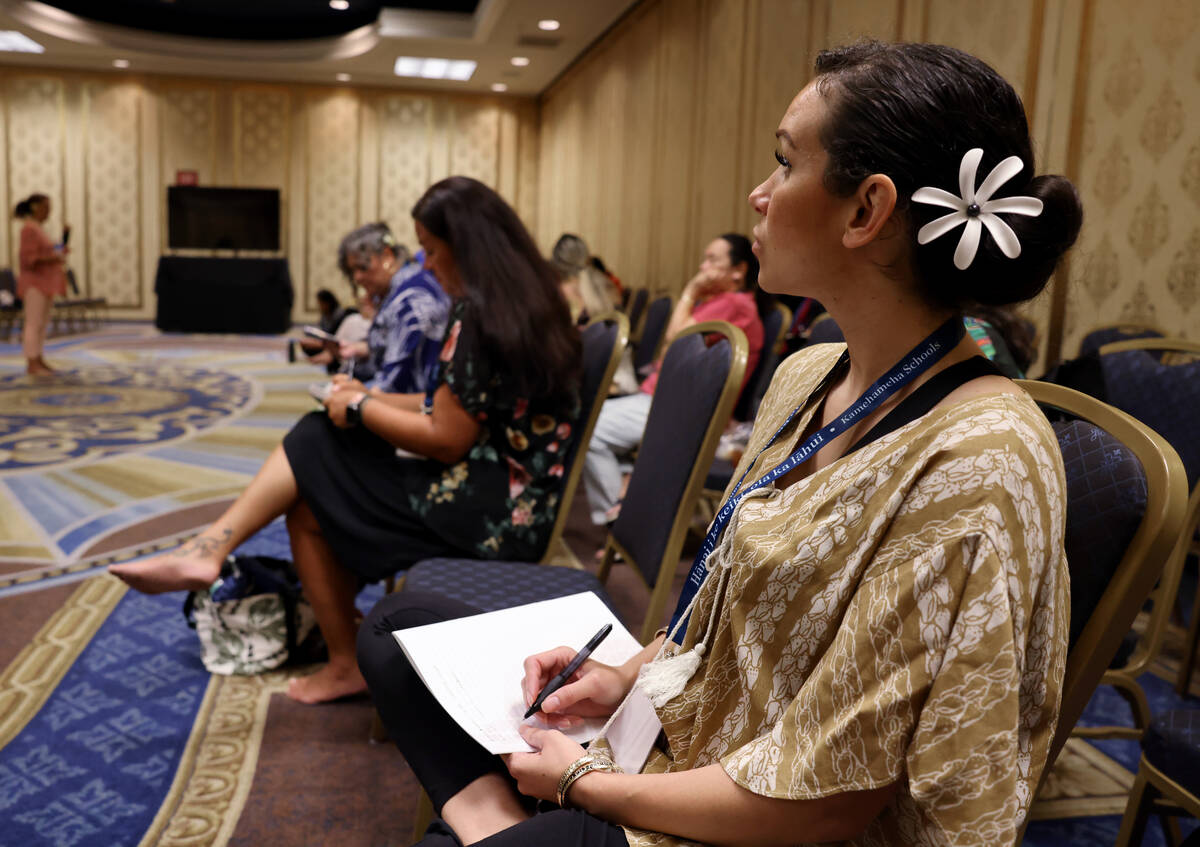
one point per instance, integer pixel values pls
(112, 129)
(35, 148)
(331, 199)
(1138, 170)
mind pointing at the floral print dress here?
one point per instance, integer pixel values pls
(500, 501)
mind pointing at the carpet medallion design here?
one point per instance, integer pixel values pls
(90, 413)
(140, 439)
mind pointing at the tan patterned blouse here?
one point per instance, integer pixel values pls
(900, 614)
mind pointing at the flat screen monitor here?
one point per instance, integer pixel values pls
(222, 218)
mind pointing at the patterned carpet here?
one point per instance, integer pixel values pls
(139, 440)
(112, 733)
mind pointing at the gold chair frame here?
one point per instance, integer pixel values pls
(557, 551)
(1146, 558)
(1187, 537)
(668, 563)
(1150, 785)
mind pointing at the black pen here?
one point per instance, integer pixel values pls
(562, 676)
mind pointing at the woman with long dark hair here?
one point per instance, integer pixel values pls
(870, 646)
(473, 467)
(41, 278)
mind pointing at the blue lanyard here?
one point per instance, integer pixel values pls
(913, 364)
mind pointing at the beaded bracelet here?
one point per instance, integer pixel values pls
(583, 765)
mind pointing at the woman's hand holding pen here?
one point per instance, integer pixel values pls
(595, 690)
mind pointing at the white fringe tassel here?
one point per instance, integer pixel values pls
(665, 679)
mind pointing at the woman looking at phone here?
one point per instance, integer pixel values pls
(876, 647)
(483, 446)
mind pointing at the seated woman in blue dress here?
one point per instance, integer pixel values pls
(472, 467)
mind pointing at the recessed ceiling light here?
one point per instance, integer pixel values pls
(433, 68)
(342, 77)
(499, 86)
(520, 61)
(12, 41)
(120, 63)
(548, 25)
(340, 5)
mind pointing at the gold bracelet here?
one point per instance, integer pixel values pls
(599, 764)
(564, 780)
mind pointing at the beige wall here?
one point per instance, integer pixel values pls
(651, 143)
(105, 148)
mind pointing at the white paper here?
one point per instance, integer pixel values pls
(474, 665)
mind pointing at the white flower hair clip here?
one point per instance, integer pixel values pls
(976, 209)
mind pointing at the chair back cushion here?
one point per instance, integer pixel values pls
(689, 388)
(489, 586)
(657, 315)
(1097, 338)
(1106, 498)
(760, 377)
(1165, 397)
(825, 331)
(598, 340)
(637, 305)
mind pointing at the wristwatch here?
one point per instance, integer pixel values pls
(354, 409)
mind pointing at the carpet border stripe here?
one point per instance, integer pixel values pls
(32, 676)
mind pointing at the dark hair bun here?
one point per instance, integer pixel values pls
(992, 278)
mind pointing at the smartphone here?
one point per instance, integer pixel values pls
(314, 332)
(320, 390)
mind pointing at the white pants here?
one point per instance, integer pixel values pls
(37, 318)
(618, 431)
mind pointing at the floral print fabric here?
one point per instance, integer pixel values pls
(899, 615)
(501, 500)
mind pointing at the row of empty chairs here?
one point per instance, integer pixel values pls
(70, 315)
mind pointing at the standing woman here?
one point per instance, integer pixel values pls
(472, 467)
(40, 280)
(876, 648)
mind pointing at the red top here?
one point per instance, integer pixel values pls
(47, 277)
(739, 309)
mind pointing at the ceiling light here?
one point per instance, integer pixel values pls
(548, 25)
(12, 41)
(499, 86)
(342, 77)
(520, 61)
(432, 68)
(120, 63)
(340, 5)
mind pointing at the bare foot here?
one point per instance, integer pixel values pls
(330, 682)
(193, 567)
(168, 573)
(36, 367)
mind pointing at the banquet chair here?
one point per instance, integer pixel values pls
(1169, 771)
(1099, 336)
(698, 384)
(1157, 380)
(635, 310)
(604, 341)
(720, 474)
(654, 330)
(1126, 496)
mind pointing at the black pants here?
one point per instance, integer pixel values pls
(444, 758)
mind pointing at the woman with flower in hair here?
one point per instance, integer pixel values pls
(471, 467)
(870, 645)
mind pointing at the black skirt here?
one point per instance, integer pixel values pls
(353, 482)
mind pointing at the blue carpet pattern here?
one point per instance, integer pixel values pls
(96, 762)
